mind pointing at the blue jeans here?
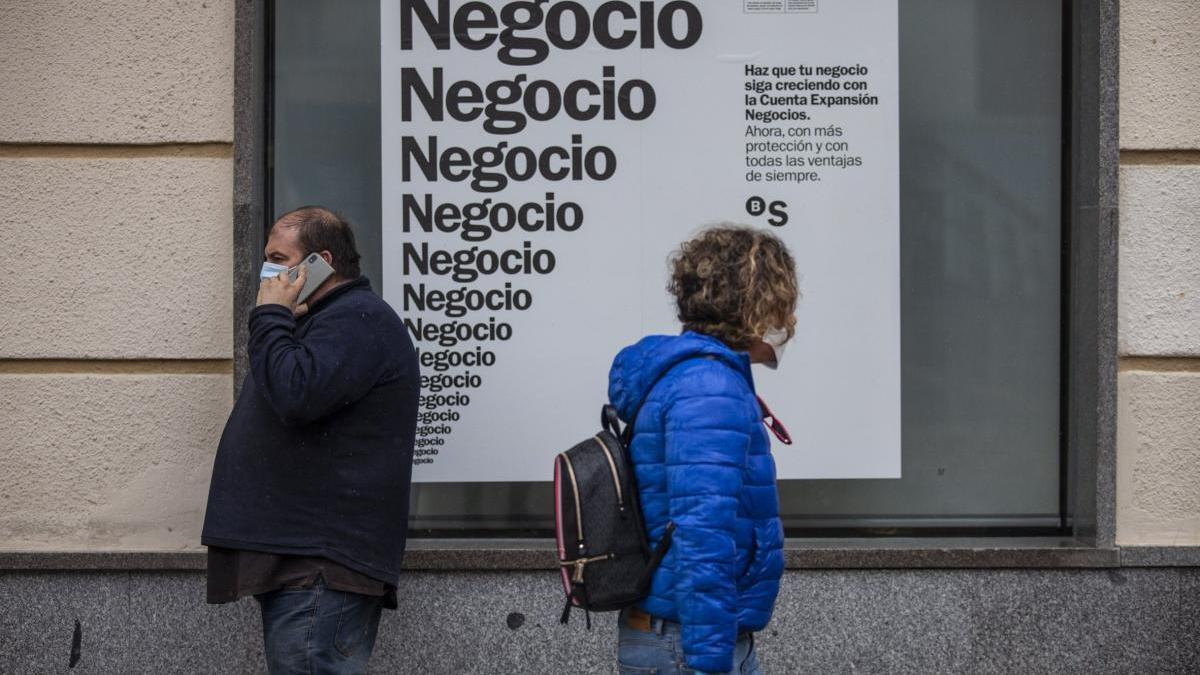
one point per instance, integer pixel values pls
(316, 629)
(660, 651)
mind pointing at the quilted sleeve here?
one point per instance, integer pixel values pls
(706, 448)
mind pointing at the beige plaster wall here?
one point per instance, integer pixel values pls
(122, 256)
(1158, 426)
(1158, 485)
(116, 71)
(1160, 74)
(116, 130)
(107, 461)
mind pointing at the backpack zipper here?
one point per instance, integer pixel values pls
(612, 465)
(580, 563)
(575, 489)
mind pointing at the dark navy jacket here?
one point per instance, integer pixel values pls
(702, 458)
(316, 456)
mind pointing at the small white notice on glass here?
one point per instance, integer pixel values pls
(779, 6)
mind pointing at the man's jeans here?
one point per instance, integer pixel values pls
(661, 650)
(316, 629)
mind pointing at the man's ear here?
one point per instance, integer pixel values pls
(328, 258)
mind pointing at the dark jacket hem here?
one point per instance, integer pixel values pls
(386, 576)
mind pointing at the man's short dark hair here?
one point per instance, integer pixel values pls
(321, 229)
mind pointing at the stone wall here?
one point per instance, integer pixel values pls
(1132, 620)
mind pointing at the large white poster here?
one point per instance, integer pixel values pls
(542, 159)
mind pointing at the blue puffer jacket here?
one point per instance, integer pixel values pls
(703, 460)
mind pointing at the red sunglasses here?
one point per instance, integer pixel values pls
(773, 423)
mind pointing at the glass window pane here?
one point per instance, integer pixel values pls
(980, 143)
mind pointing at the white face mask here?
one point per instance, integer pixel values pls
(776, 339)
(271, 270)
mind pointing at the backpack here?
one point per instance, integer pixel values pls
(603, 556)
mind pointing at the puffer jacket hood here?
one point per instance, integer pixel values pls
(639, 366)
(702, 459)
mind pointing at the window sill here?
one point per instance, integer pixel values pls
(538, 554)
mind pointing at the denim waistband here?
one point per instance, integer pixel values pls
(661, 626)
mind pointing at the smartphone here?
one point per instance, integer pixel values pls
(318, 272)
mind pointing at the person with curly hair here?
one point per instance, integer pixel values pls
(702, 456)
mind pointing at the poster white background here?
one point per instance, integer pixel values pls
(838, 389)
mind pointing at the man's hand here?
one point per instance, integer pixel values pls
(279, 291)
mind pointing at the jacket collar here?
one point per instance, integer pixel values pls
(338, 291)
(638, 367)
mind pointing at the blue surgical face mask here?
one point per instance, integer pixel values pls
(270, 270)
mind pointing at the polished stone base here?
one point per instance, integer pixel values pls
(1129, 620)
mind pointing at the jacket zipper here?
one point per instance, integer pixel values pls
(612, 465)
(575, 489)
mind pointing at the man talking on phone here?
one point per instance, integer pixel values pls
(308, 506)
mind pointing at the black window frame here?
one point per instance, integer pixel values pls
(1090, 163)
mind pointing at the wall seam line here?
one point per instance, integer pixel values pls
(1160, 157)
(116, 366)
(1161, 364)
(115, 150)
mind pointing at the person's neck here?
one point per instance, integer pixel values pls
(761, 352)
(325, 288)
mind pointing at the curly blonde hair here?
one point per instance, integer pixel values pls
(734, 283)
